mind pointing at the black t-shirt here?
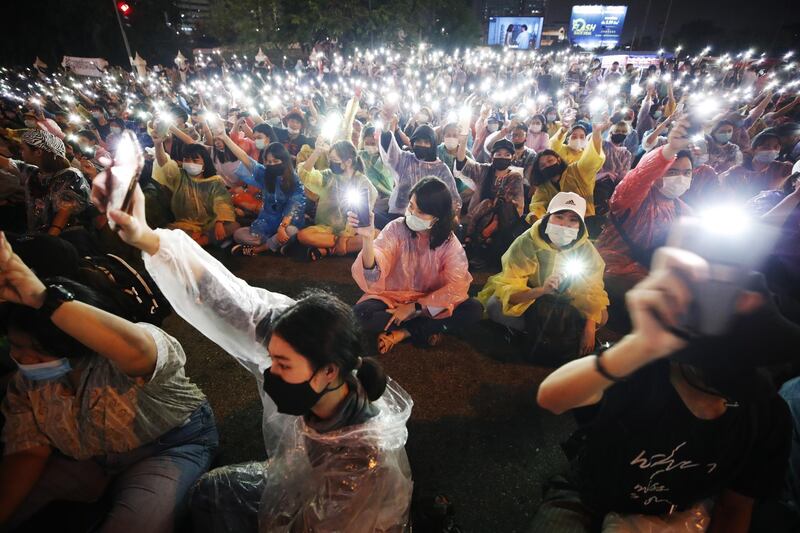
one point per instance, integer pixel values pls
(642, 451)
(293, 145)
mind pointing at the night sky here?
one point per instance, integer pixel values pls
(733, 14)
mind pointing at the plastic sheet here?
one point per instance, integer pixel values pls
(355, 479)
(694, 520)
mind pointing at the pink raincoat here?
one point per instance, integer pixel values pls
(645, 215)
(409, 271)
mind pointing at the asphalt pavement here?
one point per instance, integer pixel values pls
(475, 434)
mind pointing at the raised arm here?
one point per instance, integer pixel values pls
(202, 291)
(237, 151)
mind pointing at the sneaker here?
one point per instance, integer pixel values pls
(244, 250)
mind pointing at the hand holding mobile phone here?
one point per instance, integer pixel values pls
(123, 175)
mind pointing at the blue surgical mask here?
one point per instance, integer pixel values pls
(723, 138)
(46, 371)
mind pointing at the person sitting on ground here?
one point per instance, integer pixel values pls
(57, 195)
(722, 153)
(570, 144)
(556, 250)
(641, 211)
(337, 187)
(410, 167)
(552, 174)
(283, 200)
(537, 139)
(523, 157)
(760, 170)
(672, 435)
(496, 206)
(379, 174)
(415, 275)
(200, 203)
(99, 406)
(335, 440)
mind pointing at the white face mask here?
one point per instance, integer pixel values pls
(116, 131)
(293, 131)
(451, 143)
(415, 223)
(371, 150)
(561, 235)
(675, 186)
(766, 156)
(536, 128)
(492, 127)
(193, 169)
(261, 144)
(701, 159)
(577, 144)
(30, 124)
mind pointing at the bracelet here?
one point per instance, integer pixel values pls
(598, 365)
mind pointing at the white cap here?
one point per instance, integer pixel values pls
(568, 201)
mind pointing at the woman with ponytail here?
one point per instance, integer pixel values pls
(334, 425)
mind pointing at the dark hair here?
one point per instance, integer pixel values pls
(687, 154)
(324, 330)
(762, 138)
(47, 336)
(346, 150)
(194, 150)
(536, 175)
(267, 130)
(223, 156)
(521, 126)
(433, 198)
(179, 112)
(541, 118)
(88, 134)
(288, 179)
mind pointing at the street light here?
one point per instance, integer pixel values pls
(124, 8)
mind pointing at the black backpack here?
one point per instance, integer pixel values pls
(134, 291)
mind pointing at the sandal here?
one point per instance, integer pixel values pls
(244, 249)
(387, 340)
(315, 254)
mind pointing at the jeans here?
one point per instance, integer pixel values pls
(373, 317)
(147, 486)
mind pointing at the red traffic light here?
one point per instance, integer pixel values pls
(124, 8)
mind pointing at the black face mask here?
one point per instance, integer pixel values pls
(548, 173)
(274, 171)
(618, 138)
(336, 168)
(519, 145)
(291, 398)
(501, 163)
(425, 153)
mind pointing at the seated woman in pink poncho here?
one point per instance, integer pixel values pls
(415, 274)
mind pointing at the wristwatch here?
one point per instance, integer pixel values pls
(55, 295)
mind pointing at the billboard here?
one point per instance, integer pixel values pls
(595, 26)
(522, 33)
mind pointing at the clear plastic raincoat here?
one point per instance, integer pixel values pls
(354, 479)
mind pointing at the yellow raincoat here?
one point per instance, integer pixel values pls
(579, 177)
(567, 154)
(197, 203)
(530, 261)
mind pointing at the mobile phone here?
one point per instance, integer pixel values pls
(123, 175)
(733, 249)
(359, 204)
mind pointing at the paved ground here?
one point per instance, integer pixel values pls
(475, 433)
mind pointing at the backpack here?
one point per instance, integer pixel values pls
(134, 292)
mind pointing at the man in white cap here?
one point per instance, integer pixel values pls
(551, 285)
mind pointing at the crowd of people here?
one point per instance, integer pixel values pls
(559, 175)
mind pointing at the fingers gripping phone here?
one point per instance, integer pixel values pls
(123, 175)
(733, 248)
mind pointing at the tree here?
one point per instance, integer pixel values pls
(244, 21)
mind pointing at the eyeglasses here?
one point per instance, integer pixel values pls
(687, 173)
